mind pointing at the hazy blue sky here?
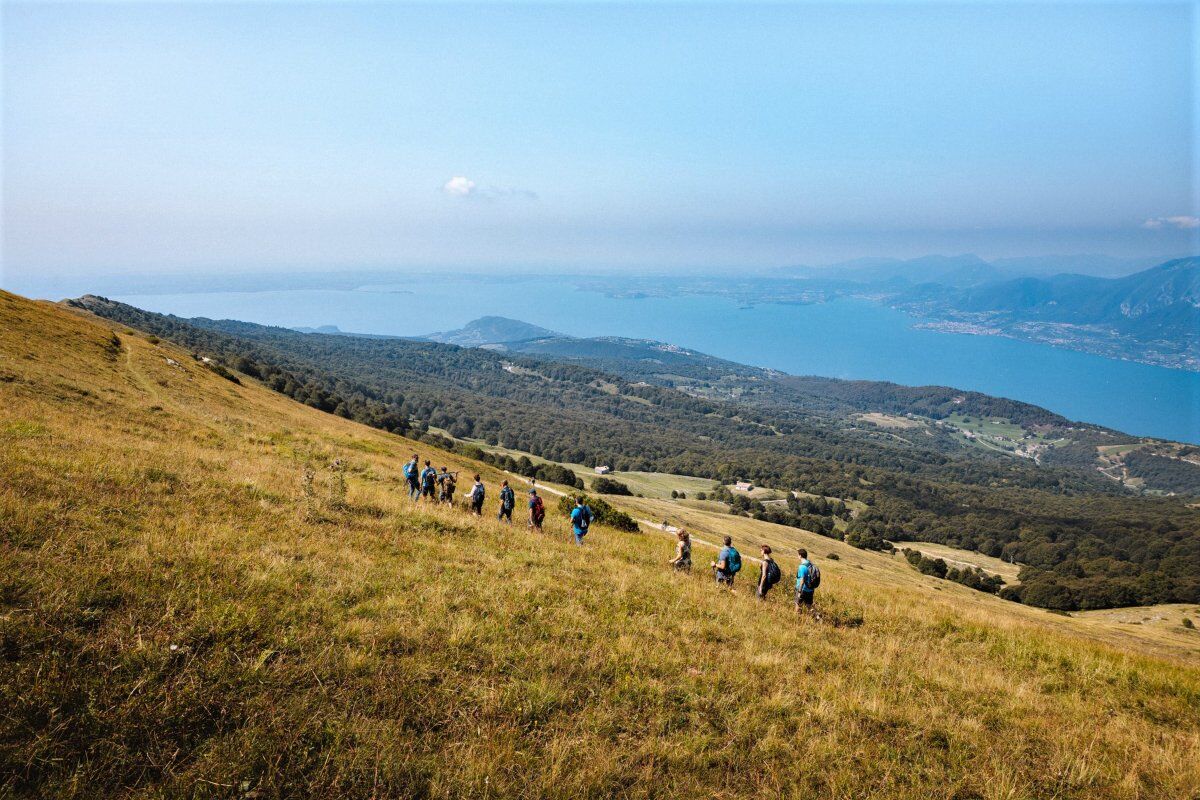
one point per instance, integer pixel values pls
(176, 137)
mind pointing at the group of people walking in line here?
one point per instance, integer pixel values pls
(434, 486)
(729, 563)
(439, 486)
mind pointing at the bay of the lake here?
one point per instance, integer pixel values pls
(844, 339)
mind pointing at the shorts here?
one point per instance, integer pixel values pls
(723, 576)
(476, 506)
(804, 598)
(505, 513)
(683, 566)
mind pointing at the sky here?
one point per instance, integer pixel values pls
(222, 137)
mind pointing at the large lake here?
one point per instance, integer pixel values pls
(844, 338)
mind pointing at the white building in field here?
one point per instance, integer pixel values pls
(744, 486)
(603, 470)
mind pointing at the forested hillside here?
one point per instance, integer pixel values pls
(1086, 542)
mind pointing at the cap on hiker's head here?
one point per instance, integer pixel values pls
(533, 491)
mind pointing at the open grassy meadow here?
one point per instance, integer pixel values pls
(209, 590)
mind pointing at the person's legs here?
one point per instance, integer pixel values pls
(579, 537)
(804, 601)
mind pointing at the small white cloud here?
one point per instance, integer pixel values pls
(462, 186)
(1181, 222)
(459, 186)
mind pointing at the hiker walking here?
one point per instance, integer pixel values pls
(808, 578)
(412, 474)
(507, 501)
(728, 563)
(537, 511)
(446, 485)
(428, 481)
(581, 520)
(769, 574)
(477, 493)
(682, 562)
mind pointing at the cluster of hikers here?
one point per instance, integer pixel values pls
(437, 486)
(729, 563)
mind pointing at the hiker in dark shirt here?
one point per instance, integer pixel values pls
(537, 511)
(508, 500)
(446, 486)
(769, 574)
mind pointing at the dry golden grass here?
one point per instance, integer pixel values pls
(179, 616)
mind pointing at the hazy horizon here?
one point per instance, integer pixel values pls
(190, 139)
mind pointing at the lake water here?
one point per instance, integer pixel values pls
(844, 339)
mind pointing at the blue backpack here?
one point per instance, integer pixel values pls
(733, 562)
(410, 470)
(585, 519)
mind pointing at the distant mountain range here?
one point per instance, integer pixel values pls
(1151, 316)
(969, 269)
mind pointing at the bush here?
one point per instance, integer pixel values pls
(1187, 623)
(610, 486)
(865, 538)
(604, 513)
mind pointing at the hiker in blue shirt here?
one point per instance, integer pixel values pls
(581, 520)
(808, 578)
(508, 501)
(428, 480)
(728, 563)
(412, 474)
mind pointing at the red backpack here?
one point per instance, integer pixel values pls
(539, 510)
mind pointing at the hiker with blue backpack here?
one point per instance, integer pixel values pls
(508, 501)
(477, 494)
(412, 474)
(581, 520)
(728, 563)
(769, 575)
(808, 578)
(428, 480)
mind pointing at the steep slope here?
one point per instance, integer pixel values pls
(1096, 545)
(191, 604)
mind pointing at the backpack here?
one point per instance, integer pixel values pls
(428, 478)
(733, 562)
(813, 579)
(773, 573)
(539, 510)
(585, 518)
(507, 498)
(477, 493)
(410, 470)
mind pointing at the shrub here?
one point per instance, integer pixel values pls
(610, 486)
(1187, 623)
(604, 513)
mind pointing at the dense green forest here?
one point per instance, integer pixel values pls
(1086, 543)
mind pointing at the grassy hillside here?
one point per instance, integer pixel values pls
(191, 605)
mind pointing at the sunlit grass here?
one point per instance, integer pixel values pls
(180, 615)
